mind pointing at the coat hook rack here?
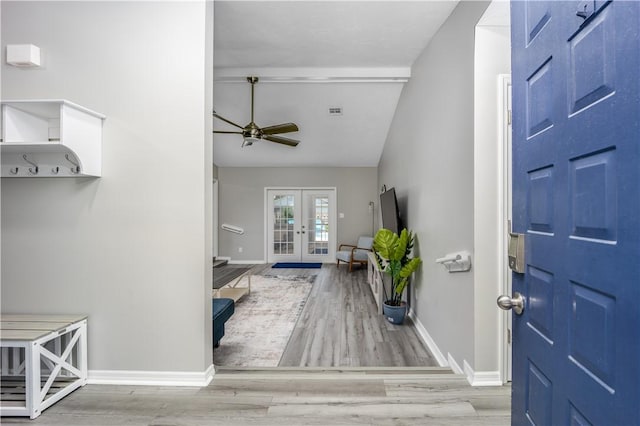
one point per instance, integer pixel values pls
(76, 167)
(45, 138)
(34, 170)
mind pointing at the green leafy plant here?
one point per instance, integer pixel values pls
(393, 251)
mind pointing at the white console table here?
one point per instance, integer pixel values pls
(375, 280)
(43, 358)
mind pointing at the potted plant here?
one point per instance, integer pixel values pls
(392, 252)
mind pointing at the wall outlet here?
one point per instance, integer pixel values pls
(239, 249)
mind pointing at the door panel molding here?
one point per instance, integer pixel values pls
(576, 197)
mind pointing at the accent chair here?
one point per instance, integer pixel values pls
(355, 254)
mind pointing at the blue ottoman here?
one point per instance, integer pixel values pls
(222, 311)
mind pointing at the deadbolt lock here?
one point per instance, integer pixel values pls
(516, 252)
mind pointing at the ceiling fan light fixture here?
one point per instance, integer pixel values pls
(248, 141)
(252, 132)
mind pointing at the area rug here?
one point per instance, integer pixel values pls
(309, 265)
(257, 333)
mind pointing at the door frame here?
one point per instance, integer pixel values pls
(333, 220)
(504, 205)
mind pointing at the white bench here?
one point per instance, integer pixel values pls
(43, 358)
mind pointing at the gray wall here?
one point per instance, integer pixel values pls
(242, 202)
(131, 249)
(428, 158)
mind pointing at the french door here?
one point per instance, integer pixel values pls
(301, 225)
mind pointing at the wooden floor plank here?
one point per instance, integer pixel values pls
(280, 396)
(340, 326)
(290, 396)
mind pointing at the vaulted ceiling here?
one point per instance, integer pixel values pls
(312, 56)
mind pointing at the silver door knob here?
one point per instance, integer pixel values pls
(516, 303)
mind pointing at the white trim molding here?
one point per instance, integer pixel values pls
(315, 75)
(453, 364)
(151, 378)
(230, 261)
(246, 262)
(475, 378)
(481, 378)
(428, 340)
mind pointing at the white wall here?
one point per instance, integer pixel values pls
(131, 249)
(492, 58)
(207, 164)
(242, 202)
(428, 158)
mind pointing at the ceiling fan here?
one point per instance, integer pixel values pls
(252, 133)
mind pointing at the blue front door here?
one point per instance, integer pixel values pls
(576, 197)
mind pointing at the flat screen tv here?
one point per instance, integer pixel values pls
(390, 212)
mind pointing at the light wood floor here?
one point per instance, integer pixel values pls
(340, 325)
(290, 397)
(336, 327)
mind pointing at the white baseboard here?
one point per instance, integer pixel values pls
(428, 340)
(482, 378)
(475, 378)
(241, 262)
(151, 378)
(453, 364)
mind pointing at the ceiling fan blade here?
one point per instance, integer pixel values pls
(280, 128)
(227, 121)
(227, 131)
(282, 140)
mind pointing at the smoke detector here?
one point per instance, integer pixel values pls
(23, 55)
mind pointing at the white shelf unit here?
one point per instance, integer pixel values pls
(50, 138)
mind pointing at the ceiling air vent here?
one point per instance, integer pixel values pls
(334, 111)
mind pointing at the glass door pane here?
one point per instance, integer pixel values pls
(318, 212)
(283, 224)
(317, 225)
